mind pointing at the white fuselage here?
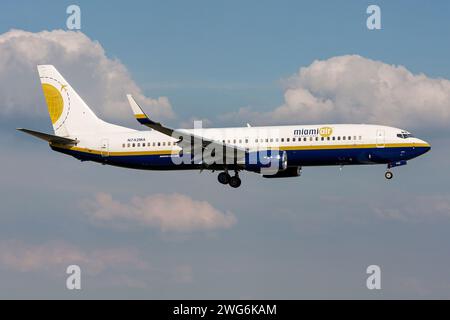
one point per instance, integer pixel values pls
(253, 138)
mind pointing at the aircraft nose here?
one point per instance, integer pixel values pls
(425, 146)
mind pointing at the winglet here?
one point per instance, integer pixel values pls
(142, 118)
(139, 114)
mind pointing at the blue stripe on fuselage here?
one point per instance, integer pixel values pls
(309, 157)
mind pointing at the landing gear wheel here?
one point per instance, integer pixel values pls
(388, 175)
(235, 182)
(224, 178)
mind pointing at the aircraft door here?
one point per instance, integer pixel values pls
(104, 148)
(380, 139)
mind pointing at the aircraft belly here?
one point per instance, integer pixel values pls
(324, 157)
(311, 157)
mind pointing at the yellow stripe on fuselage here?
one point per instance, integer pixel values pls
(112, 153)
(355, 146)
(140, 116)
(284, 148)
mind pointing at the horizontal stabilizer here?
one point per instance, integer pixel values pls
(49, 137)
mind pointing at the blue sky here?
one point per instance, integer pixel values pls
(248, 46)
(310, 237)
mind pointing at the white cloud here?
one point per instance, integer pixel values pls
(107, 267)
(354, 89)
(173, 212)
(201, 123)
(102, 82)
(58, 255)
(416, 209)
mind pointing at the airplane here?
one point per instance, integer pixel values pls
(271, 151)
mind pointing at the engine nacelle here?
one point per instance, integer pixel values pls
(289, 172)
(266, 161)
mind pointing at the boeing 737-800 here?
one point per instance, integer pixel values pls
(273, 152)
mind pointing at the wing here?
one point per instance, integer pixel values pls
(185, 138)
(49, 137)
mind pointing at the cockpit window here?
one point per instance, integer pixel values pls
(405, 135)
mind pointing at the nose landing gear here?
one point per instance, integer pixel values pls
(389, 175)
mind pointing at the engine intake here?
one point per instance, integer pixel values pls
(289, 172)
(267, 162)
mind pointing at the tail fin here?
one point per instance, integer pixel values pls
(69, 114)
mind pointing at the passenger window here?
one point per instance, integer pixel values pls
(287, 139)
(271, 140)
(282, 139)
(334, 138)
(164, 144)
(339, 138)
(128, 145)
(343, 138)
(134, 145)
(304, 139)
(328, 138)
(293, 139)
(240, 141)
(322, 138)
(317, 138)
(246, 140)
(360, 137)
(234, 141)
(159, 144)
(349, 138)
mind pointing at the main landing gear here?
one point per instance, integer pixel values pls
(224, 178)
(233, 181)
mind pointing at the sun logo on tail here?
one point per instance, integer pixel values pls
(55, 102)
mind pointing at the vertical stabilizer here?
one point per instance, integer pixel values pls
(69, 114)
